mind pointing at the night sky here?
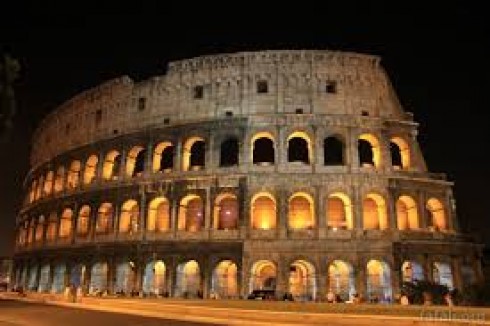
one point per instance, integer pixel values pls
(438, 60)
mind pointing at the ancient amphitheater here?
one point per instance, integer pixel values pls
(297, 171)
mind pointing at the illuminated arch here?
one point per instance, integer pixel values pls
(225, 214)
(341, 279)
(400, 153)
(104, 218)
(188, 282)
(339, 211)
(44, 278)
(224, 283)
(193, 154)
(300, 147)
(301, 211)
(135, 161)
(74, 175)
(374, 212)
(154, 278)
(66, 222)
(437, 212)
(263, 276)
(263, 144)
(302, 280)
(378, 280)
(369, 150)
(163, 157)
(90, 169)
(125, 277)
(32, 194)
(443, 274)
(39, 188)
(83, 220)
(58, 283)
(52, 226)
(48, 183)
(129, 217)
(98, 278)
(158, 215)
(406, 213)
(112, 163)
(263, 211)
(38, 237)
(191, 213)
(60, 179)
(412, 271)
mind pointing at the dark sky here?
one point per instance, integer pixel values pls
(438, 60)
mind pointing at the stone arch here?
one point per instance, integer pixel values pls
(225, 212)
(378, 281)
(32, 282)
(369, 151)
(229, 152)
(191, 213)
(112, 164)
(135, 162)
(48, 183)
(442, 274)
(125, 277)
(104, 218)
(263, 275)
(301, 214)
(302, 280)
(188, 281)
(60, 179)
(224, 282)
(300, 147)
(98, 278)
(341, 279)
(412, 271)
(194, 154)
(78, 275)
(44, 285)
(406, 213)
(263, 211)
(90, 169)
(374, 212)
(333, 151)
(339, 211)
(83, 220)
(163, 157)
(39, 189)
(32, 194)
(58, 284)
(38, 236)
(66, 221)
(74, 174)
(158, 218)
(400, 153)
(129, 217)
(437, 214)
(52, 226)
(154, 278)
(263, 148)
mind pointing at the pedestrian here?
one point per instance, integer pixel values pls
(330, 296)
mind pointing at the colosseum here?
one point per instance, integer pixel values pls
(293, 171)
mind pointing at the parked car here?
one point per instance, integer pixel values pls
(262, 295)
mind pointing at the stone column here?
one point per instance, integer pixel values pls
(357, 202)
(456, 271)
(122, 165)
(100, 167)
(282, 218)
(422, 212)
(142, 212)
(322, 281)
(178, 154)
(282, 278)
(361, 278)
(321, 211)
(111, 274)
(391, 210)
(206, 273)
(148, 169)
(207, 210)
(428, 269)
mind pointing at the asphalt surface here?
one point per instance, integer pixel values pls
(35, 314)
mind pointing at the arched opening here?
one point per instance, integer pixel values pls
(66, 223)
(125, 278)
(158, 215)
(52, 226)
(333, 151)
(406, 213)
(224, 284)
(83, 220)
(104, 219)
(154, 278)
(442, 274)
(194, 154)
(90, 169)
(60, 179)
(32, 194)
(77, 275)
(191, 214)
(48, 183)
(188, 283)
(38, 237)
(369, 151)
(400, 153)
(468, 275)
(412, 271)
(30, 234)
(163, 157)
(301, 211)
(98, 278)
(299, 148)
(263, 276)
(112, 165)
(341, 279)
(39, 189)
(263, 149)
(378, 281)
(32, 283)
(225, 212)
(129, 218)
(263, 211)
(339, 211)
(229, 152)
(74, 175)
(302, 281)
(44, 285)
(135, 163)
(58, 285)
(437, 214)
(374, 212)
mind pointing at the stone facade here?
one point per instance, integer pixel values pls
(374, 215)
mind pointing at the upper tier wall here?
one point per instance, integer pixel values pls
(295, 80)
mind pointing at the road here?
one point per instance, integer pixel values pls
(35, 314)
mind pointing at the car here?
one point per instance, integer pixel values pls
(262, 295)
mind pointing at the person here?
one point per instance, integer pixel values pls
(448, 299)
(330, 296)
(404, 300)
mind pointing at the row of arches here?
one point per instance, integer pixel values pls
(190, 215)
(116, 164)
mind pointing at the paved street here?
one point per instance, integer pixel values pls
(34, 314)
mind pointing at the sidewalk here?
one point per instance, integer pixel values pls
(192, 311)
